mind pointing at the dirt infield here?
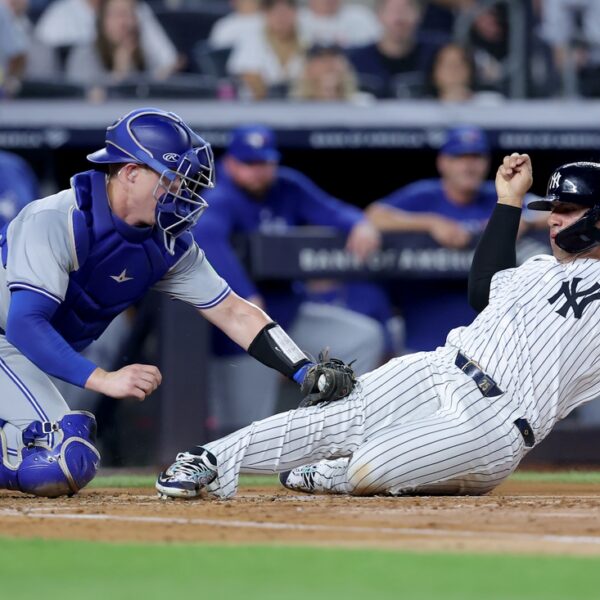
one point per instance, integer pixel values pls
(517, 517)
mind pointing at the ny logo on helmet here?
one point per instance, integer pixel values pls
(171, 157)
(555, 180)
(569, 291)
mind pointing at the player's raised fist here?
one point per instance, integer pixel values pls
(513, 179)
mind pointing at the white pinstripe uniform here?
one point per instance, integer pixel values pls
(419, 424)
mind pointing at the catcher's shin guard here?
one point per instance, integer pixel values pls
(68, 466)
(8, 473)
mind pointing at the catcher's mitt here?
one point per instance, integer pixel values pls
(330, 379)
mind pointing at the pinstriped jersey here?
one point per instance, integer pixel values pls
(539, 337)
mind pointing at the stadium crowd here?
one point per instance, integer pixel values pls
(450, 50)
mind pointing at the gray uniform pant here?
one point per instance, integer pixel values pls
(26, 395)
(242, 390)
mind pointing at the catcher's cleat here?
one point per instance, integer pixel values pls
(187, 475)
(302, 479)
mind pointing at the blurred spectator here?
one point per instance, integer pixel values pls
(256, 194)
(488, 39)
(485, 31)
(116, 54)
(69, 23)
(451, 209)
(270, 60)
(13, 49)
(327, 75)
(246, 19)
(397, 64)
(330, 22)
(440, 15)
(452, 74)
(572, 29)
(18, 186)
(40, 61)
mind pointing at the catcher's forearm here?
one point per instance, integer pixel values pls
(274, 347)
(495, 252)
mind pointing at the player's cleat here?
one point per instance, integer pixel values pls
(187, 475)
(302, 479)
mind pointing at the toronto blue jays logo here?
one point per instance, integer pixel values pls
(577, 300)
(256, 139)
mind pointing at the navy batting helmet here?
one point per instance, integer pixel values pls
(575, 183)
(184, 161)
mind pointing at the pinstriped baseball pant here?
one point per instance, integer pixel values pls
(415, 425)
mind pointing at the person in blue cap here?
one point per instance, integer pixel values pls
(256, 193)
(73, 261)
(452, 209)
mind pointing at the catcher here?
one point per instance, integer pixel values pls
(73, 261)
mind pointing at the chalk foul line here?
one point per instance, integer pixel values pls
(398, 531)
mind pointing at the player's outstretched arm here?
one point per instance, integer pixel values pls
(267, 342)
(133, 381)
(240, 319)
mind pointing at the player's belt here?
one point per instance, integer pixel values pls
(525, 428)
(487, 386)
(489, 389)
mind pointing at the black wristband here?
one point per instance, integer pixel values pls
(274, 348)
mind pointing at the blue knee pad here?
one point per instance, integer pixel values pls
(65, 468)
(8, 473)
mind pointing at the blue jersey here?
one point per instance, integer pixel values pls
(293, 200)
(428, 196)
(431, 308)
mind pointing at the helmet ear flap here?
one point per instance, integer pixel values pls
(582, 235)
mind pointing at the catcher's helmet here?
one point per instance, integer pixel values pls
(184, 161)
(576, 183)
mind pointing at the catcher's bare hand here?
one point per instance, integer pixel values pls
(330, 379)
(133, 381)
(513, 179)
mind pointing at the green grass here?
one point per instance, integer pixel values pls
(30, 569)
(144, 481)
(128, 480)
(558, 477)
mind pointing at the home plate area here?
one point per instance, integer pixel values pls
(519, 517)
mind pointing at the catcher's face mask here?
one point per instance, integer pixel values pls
(178, 193)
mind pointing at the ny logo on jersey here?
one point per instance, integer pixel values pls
(572, 296)
(121, 277)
